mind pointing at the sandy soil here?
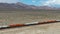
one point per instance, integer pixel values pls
(27, 17)
(37, 29)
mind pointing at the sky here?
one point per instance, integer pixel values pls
(35, 2)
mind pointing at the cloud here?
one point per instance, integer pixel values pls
(8, 1)
(57, 1)
(49, 2)
(33, 1)
(52, 2)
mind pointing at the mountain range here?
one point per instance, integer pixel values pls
(19, 5)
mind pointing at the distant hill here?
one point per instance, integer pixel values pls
(19, 6)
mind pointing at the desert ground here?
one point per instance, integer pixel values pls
(21, 17)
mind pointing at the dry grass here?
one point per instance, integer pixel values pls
(27, 17)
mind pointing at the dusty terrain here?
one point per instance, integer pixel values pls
(7, 18)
